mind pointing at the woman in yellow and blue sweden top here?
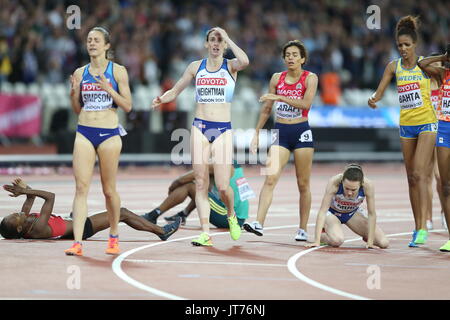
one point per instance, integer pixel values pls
(417, 120)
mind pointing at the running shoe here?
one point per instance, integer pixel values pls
(254, 227)
(174, 217)
(445, 247)
(203, 240)
(422, 236)
(413, 244)
(113, 246)
(75, 250)
(151, 216)
(235, 228)
(301, 235)
(169, 229)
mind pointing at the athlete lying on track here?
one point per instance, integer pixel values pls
(45, 225)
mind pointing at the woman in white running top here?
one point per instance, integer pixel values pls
(211, 133)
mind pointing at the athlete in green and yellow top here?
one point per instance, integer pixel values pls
(242, 192)
(184, 187)
(417, 120)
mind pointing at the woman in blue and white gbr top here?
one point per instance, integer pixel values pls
(341, 204)
(98, 90)
(215, 78)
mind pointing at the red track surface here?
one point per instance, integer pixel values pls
(267, 267)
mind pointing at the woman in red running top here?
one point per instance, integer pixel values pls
(442, 76)
(293, 91)
(45, 225)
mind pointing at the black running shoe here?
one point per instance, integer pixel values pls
(174, 217)
(170, 229)
(150, 216)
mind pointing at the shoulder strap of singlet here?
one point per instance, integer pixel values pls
(303, 77)
(109, 68)
(225, 66)
(282, 77)
(86, 69)
(201, 66)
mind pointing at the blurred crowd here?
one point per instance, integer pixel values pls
(156, 40)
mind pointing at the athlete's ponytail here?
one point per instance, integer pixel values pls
(408, 26)
(109, 53)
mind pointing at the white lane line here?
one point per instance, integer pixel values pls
(293, 269)
(395, 266)
(208, 262)
(117, 268)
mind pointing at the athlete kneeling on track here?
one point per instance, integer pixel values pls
(341, 204)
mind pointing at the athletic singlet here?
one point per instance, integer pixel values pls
(214, 87)
(93, 98)
(56, 224)
(435, 98)
(443, 109)
(414, 96)
(340, 204)
(292, 91)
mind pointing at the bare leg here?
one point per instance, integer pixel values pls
(303, 164)
(100, 222)
(108, 155)
(429, 212)
(334, 236)
(444, 171)
(417, 157)
(83, 167)
(360, 225)
(177, 196)
(200, 153)
(278, 157)
(222, 152)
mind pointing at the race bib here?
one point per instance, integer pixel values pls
(306, 136)
(245, 192)
(286, 111)
(445, 107)
(409, 96)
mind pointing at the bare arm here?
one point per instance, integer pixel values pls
(47, 207)
(241, 61)
(181, 180)
(264, 115)
(28, 203)
(305, 103)
(370, 199)
(75, 81)
(330, 191)
(389, 72)
(181, 84)
(123, 97)
(436, 73)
